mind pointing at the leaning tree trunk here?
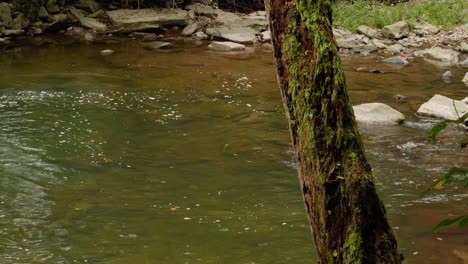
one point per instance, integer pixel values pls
(347, 218)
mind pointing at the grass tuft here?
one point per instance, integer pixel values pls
(443, 13)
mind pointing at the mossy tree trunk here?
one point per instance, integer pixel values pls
(347, 218)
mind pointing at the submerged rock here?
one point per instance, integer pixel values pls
(155, 45)
(377, 113)
(443, 107)
(447, 75)
(106, 52)
(395, 60)
(226, 46)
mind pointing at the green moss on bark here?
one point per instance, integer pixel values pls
(345, 213)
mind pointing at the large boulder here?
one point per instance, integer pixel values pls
(396, 31)
(125, 19)
(443, 107)
(368, 31)
(5, 14)
(226, 46)
(377, 113)
(90, 6)
(234, 34)
(448, 56)
(92, 23)
(423, 28)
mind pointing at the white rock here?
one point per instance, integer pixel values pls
(106, 52)
(444, 55)
(377, 113)
(235, 34)
(226, 46)
(396, 60)
(465, 79)
(89, 37)
(266, 36)
(443, 107)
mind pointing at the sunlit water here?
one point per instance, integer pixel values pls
(184, 157)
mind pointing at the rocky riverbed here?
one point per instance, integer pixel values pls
(87, 22)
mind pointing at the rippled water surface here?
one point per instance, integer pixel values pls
(184, 157)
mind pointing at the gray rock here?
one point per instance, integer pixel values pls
(447, 75)
(52, 7)
(395, 60)
(379, 43)
(42, 13)
(465, 79)
(347, 43)
(12, 32)
(5, 13)
(137, 27)
(124, 18)
(377, 113)
(59, 22)
(396, 31)
(20, 22)
(106, 52)
(464, 47)
(203, 10)
(368, 31)
(226, 46)
(89, 37)
(92, 23)
(341, 33)
(465, 100)
(423, 29)
(443, 107)
(445, 55)
(234, 34)
(190, 29)
(395, 48)
(364, 49)
(200, 35)
(156, 45)
(464, 63)
(150, 37)
(89, 6)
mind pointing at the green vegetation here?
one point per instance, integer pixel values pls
(444, 13)
(450, 176)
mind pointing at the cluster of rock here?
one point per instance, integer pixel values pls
(447, 48)
(228, 32)
(89, 22)
(438, 106)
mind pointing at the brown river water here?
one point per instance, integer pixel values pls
(184, 157)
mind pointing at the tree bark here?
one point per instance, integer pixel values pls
(347, 218)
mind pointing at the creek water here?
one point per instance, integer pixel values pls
(184, 157)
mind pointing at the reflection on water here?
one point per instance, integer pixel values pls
(183, 157)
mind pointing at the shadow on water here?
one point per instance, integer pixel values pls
(148, 157)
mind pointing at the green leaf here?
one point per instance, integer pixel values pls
(463, 143)
(437, 129)
(463, 222)
(447, 222)
(462, 119)
(447, 178)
